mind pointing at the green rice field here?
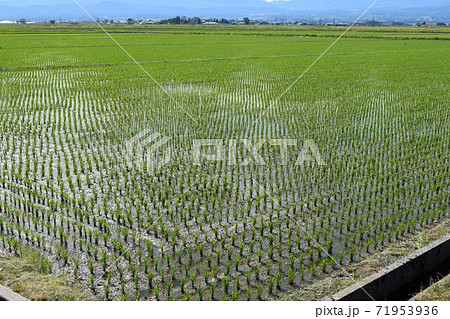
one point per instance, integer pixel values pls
(243, 227)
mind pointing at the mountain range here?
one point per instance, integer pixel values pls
(157, 9)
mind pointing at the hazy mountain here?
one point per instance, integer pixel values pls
(67, 9)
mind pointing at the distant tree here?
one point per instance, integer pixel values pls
(22, 21)
(246, 20)
(130, 21)
(176, 20)
(196, 20)
(52, 21)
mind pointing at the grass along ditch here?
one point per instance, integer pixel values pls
(437, 291)
(30, 275)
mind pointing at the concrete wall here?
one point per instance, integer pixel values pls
(402, 279)
(7, 294)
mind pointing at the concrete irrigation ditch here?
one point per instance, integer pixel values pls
(404, 278)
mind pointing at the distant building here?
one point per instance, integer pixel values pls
(7, 22)
(148, 21)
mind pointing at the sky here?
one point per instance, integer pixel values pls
(345, 3)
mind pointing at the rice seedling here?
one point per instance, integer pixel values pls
(259, 292)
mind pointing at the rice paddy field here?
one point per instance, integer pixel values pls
(247, 227)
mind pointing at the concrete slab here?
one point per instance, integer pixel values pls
(7, 294)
